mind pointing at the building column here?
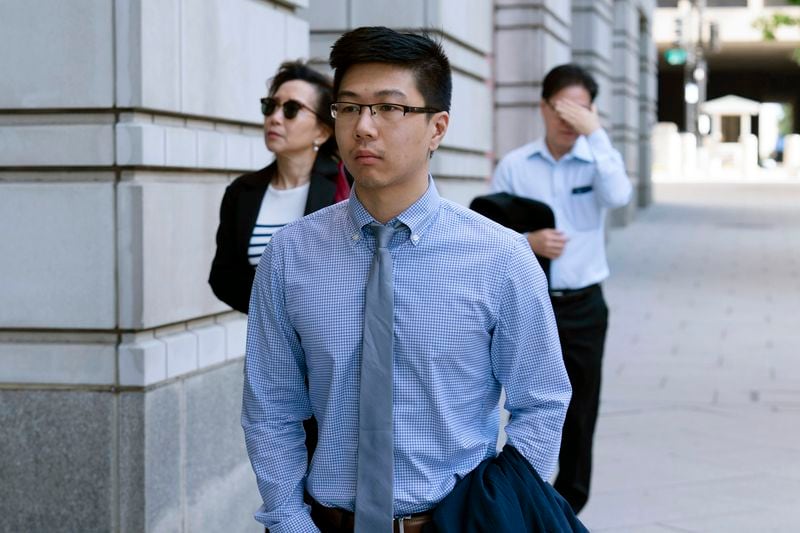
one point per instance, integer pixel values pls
(120, 390)
(531, 37)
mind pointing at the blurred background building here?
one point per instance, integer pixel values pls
(121, 123)
(734, 91)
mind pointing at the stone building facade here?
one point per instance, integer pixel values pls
(121, 123)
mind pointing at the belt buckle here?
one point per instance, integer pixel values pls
(558, 294)
(400, 525)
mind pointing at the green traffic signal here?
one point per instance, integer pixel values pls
(676, 56)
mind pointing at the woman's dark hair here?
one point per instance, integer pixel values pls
(566, 76)
(418, 53)
(299, 70)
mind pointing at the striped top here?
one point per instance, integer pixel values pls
(278, 208)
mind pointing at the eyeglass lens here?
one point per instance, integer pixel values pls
(290, 107)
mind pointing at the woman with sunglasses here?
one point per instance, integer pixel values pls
(305, 176)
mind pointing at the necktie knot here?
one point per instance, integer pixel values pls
(383, 234)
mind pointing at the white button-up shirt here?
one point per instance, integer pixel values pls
(579, 188)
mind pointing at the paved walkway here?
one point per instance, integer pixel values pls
(700, 418)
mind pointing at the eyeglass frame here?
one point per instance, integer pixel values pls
(282, 105)
(406, 108)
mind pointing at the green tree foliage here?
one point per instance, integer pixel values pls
(770, 25)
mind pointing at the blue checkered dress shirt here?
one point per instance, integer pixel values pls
(472, 314)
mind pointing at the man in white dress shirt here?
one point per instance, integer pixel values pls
(575, 170)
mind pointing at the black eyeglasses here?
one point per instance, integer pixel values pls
(290, 107)
(383, 111)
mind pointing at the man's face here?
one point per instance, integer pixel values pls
(383, 154)
(559, 134)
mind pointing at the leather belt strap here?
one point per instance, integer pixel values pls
(343, 521)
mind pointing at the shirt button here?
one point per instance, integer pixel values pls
(356, 236)
(415, 238)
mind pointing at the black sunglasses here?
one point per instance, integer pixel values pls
(290, 107)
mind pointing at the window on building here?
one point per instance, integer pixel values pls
(667, 3)
(778, 3)
(730, 128)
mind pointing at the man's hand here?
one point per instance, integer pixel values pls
(548, 243)
(584, 121)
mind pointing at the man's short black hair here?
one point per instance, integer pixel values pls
(418, 53)
(299, 70)
(568, 75)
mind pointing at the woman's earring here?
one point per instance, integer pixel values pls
(315, 145)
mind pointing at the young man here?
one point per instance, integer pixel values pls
(406, 402)
(575, 170)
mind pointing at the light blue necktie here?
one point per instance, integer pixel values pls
(374, 496)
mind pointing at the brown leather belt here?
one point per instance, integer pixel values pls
(341, 521)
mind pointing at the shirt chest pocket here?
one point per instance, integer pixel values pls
(582, 209)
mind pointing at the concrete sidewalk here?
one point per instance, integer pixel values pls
(700, 416)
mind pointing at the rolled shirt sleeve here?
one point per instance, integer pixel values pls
(275, 403)
(526, 360)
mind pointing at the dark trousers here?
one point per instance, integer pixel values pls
(582, 320)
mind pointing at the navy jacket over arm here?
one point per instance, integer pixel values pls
(505, 494)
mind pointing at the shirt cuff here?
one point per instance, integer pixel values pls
(599, 141)
(297, 523)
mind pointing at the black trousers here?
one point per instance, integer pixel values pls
(582, 320)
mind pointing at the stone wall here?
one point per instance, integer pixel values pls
(120, 372)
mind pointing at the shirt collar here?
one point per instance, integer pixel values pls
(580, 150)
(417, 217)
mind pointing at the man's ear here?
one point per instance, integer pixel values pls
(439, 122)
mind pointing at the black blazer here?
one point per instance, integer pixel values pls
(232, 275)
(519, 214)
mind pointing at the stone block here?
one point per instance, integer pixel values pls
(467, 60)
(414, 14)
(210, 149)
(160, 50)
(210, 345)
(526, 54)
(142, 363)
(150, 460)
(57, 265)
(43, 145)
(180, 147)
(226, 51)
(297, 31)
(327, 15)
(235, 337)
(238, 151)
(56, 463)
(181, 353)
(60, 54)
(462, 191)
(131, 461)
(521, 125)
(457, 164)
(163, 274)
(140, 144)
(470, 21)
(221, 491)
(57, 363)
(261, 157)
(471, 115)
